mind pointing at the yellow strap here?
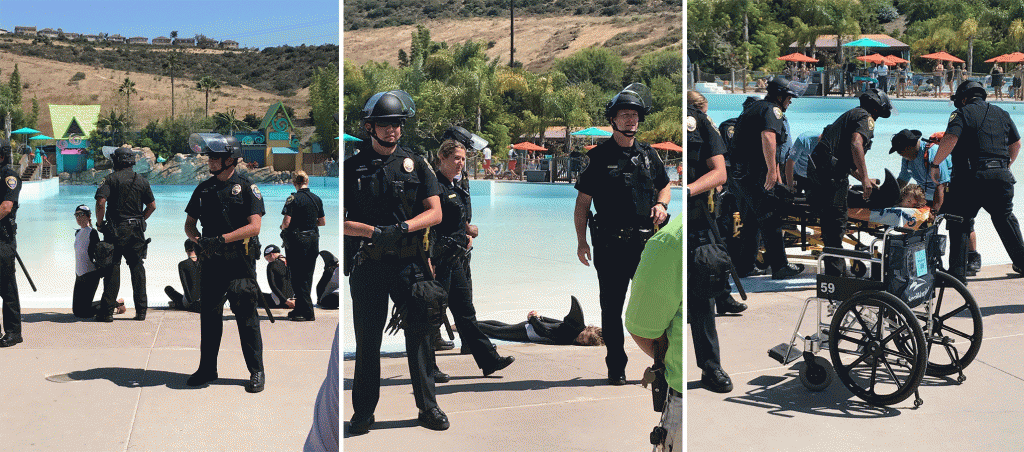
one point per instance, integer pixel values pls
(426, 239)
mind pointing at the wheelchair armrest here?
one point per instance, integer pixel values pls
(843, 252)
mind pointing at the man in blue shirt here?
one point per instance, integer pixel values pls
(795, 160)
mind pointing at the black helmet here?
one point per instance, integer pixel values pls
(875, 101)
(389, 105)
(781, 87)
(968, 89)
(271, 249)
(468, 139)
(190, 246)
(215, 145)
(123, 158)
(636, 96)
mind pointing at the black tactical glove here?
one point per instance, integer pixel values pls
(387, 237)
(209, 246)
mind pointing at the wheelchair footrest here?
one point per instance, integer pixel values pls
(777, 353)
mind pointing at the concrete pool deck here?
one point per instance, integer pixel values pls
(77, 385)
(770, 410)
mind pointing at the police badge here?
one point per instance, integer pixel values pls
(778, 112)
(408, 165)
(11, 182)
(256, 191)
(691, 123)
(236, 189)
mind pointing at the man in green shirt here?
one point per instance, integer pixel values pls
(655, 317)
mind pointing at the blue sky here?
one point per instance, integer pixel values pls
(253, 23)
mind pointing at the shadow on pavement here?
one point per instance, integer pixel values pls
(785, 396)
(1003, 309)
(382, 425)
(493, 383)
(54, 317)
(138, 378)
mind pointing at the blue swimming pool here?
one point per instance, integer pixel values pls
(926, 115)
(525, 257)
(46, 239)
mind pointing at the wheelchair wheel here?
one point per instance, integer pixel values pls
(956, 324)
(877, 347)
(816, 374)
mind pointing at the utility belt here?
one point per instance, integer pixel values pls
(992, 164)
(131, 221)
(606, 233)
(449, 249)
(673, 393)
(289, 234)
(410, 245)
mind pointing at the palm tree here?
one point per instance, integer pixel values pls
(969, 30)
(115, 125)
(228, 122)
(207, 83)
(173, 59)
(127, 88)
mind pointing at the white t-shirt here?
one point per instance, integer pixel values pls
(487, 153)
(83, 264)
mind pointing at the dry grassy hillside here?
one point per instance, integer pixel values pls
(49, 82)
(538, 40)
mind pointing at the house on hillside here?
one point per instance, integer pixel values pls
(72, 36)
(282, 148)
(116, 39)
(186, 42)
(162, 41)
(138, 40)
(71, 124)
(24, 30)
(49, 33)
(93, 38)
(4, 32)
(229, 44)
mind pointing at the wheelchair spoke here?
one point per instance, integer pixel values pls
(863, 324)
(957, 332)
(952, 313)
(892, 373)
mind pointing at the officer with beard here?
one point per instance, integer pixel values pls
(230, 208)
(9, 191)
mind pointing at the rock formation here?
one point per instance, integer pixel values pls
(181, 169)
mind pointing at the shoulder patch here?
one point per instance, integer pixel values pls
(11, 182)
(236, 189)
(730, 131)
(290, 199)
(778, 112)
(691, 123)
(408, 165)
(952, 116)
(871, 123)
(256, 191)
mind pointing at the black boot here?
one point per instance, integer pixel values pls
(726, 304)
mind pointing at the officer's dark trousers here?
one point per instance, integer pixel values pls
(9, 289)
(991, 189)
(615, 261)
(701, 312)
(234, 277)
(302, 250)
(759, 213)
(829, 201)
(455, 277)
(83, 304)
(371, 283)
(129, 242)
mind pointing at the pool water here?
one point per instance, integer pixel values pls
(46, 240)
(523, 260)
(928, 116)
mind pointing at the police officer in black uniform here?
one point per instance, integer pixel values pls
(706, 172)
(303, 214)
(230, 208)
(838, 155)
(391, 197)
(128, 201)
(760, 131)
(628, 185)
(984, 142)
(451, 246)
(9, 191)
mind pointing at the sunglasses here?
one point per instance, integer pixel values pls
(391, 123)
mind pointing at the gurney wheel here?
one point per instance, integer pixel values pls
(877, 347)
(816, 374)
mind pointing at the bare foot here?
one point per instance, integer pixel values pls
(290, 303)
(120, 307)
(531, 315)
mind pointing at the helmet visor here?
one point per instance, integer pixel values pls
(642, 92)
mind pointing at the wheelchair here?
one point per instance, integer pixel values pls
(904, 318)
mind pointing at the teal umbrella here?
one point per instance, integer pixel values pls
(41, 137)
(865, 42)
(348, 137)
(26, 130)
(592, 132)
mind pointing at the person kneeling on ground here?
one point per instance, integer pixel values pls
(326, 296)
(188, 272)
(569, 331)
(281, 295)
(87, 275)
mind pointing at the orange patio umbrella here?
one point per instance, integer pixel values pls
(528, 146)
(668, 146)
(874, 58)
(895, 60)
(942, 56)
(797, 57)
(1015, 57)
